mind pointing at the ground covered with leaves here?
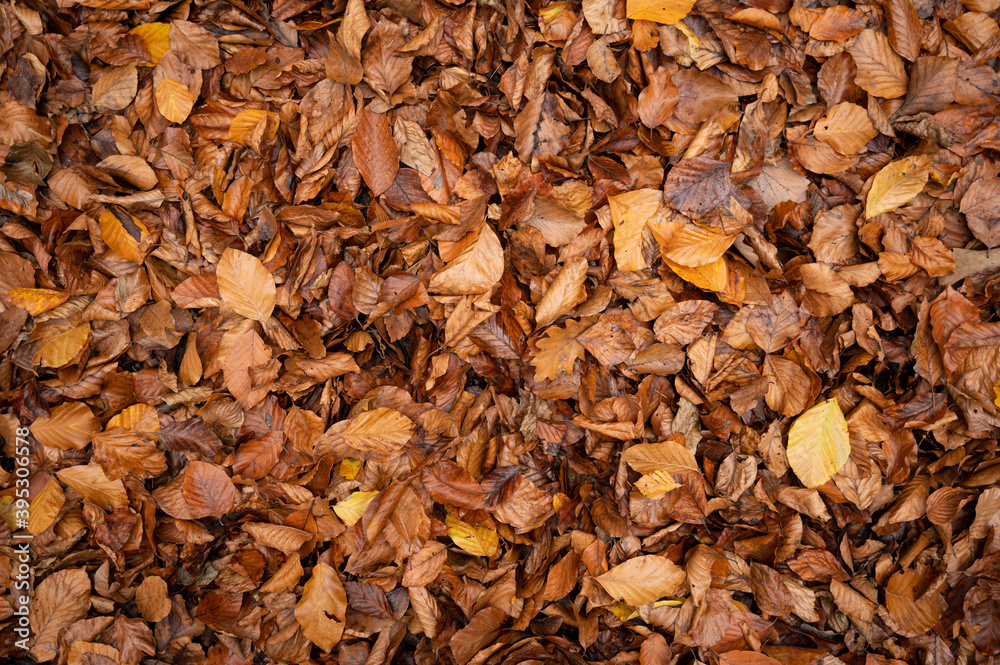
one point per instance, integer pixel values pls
(501, 332)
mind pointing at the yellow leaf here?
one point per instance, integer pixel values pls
(642, 580)
(818, 443)
(322, 597)
(123, 233)
(897, 183)
(476, 540)
(138, 418)
(250, 126)
(174, 100)
(59, 349)
(710, 277)
(381, 431)
(157, 38)
(353, 507)
(349, 468)
(246, 285)
(623, 611)
(45, 506)
(629, 213)
(656, 485)
(37, 301)
(658, 11)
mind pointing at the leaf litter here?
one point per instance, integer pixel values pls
(587, 331)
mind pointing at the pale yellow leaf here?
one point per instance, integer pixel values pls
(656, 485)
(353, 507)
(818, 443)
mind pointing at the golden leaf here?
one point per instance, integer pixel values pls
(897, 184)
(692, 246)
(157, 38)
(349, 468)
(476, 540)
(629, 213)
(286, 578)
(250, 126)
(246, 285)
(709, 277)
(59, 349)
(353, 507)
(818, 443)
(668, 12)
(656, 485)
(381, 431)
(68, 426)
(138, 418)
(45, 505)
(123, 233)
(174, 100)
(668, 457)
(323, 597)
(642, 580)
(131, 168)
(37, 301)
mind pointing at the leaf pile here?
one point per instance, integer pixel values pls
(495, 332)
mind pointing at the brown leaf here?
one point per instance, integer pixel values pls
(375, 151)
